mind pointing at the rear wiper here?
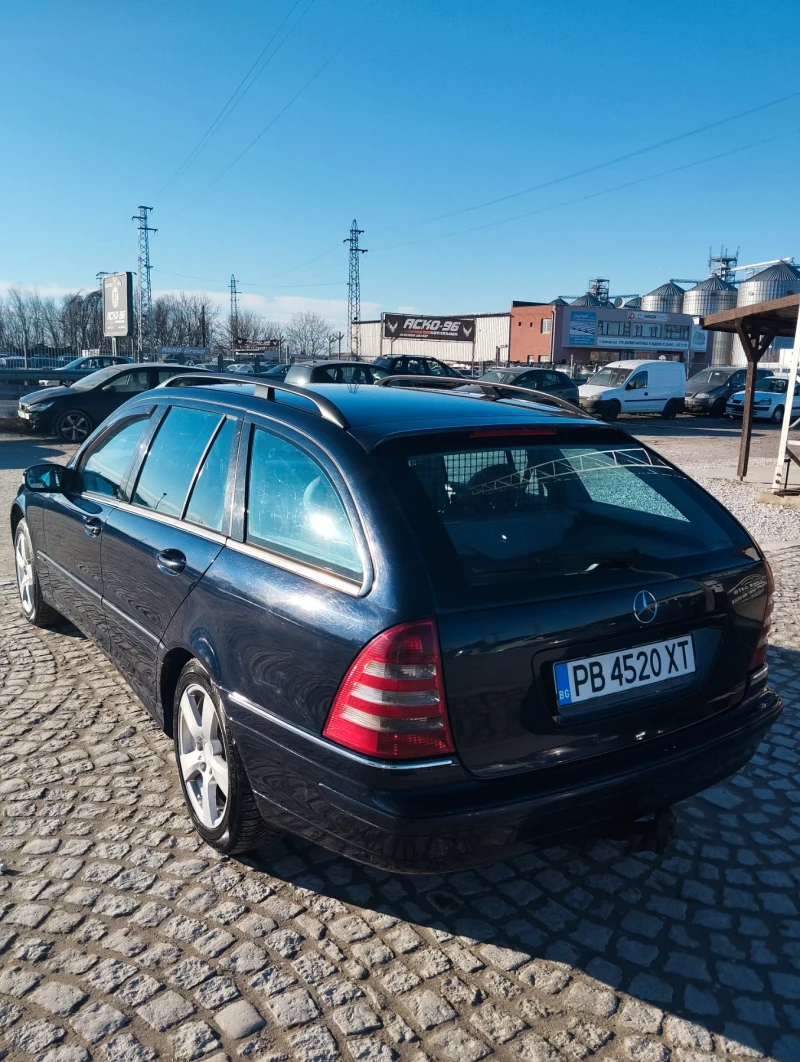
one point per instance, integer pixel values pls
(587, 562)
(599, 559)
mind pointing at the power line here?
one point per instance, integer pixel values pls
(250, 283)
(597, 166)
(590, 195)
(280, 114)
(233, 102)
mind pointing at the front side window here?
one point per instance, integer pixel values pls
(130, 383)
(105, 469)
(294, 509)
(637, 382)
(174, 454)
(437, 368)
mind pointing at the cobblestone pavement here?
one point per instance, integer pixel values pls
(124, 938)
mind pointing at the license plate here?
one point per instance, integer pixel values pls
(583, 680)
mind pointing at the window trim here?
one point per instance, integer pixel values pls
(112, 428)
(133, 481)
(322, 457)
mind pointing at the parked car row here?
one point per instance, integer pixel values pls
(422, 648)
(73, 409)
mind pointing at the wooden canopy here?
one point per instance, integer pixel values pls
(756, 326)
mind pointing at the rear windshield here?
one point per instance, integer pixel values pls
(610, 377)
(521, 509)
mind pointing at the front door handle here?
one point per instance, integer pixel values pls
(171, 561)
(92, 526)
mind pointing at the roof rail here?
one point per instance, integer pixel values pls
(491, 390)
(262, 389)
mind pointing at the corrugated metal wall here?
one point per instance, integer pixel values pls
(491, 332)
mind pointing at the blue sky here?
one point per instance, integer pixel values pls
(425, 108)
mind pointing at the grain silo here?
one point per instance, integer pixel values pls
(712, 296)
(666, 299)
(774, 282)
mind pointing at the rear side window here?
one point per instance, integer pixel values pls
(547, 509)
(105, 468)
(294, 509)
(174, 454)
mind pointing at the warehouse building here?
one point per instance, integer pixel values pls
(484, 340)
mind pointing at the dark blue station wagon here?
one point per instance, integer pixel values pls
(422, 629)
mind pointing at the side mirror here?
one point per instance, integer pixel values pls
(47, 478)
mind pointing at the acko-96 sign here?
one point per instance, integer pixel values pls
(404, 326)
(118, 304)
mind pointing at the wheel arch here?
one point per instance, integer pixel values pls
(16, 515)
(172, 664)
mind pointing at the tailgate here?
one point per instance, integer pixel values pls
(501, 684)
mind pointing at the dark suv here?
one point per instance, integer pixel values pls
(422, 629)
(708, 391)
(413, 365)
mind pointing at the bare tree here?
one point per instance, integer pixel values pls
(307, 335)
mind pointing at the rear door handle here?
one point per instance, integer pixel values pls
(171, 561)
(92, 526)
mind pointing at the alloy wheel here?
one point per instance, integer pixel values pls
(202, 756)
(26, 578)
(74, 427)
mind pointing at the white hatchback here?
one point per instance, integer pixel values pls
(769, 401)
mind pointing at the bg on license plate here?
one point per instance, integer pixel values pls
(600, 676)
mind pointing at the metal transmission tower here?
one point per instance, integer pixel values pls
(144, 292)
(234, 321)
(354, 289)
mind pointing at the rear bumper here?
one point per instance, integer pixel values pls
(442, 819)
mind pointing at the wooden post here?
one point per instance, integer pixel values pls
(754, 351)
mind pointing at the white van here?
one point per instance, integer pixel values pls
(635, 387)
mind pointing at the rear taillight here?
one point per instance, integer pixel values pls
(760, 652)
(391, 703)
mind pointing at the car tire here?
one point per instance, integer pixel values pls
(671, 409)
(777, 415)
(207, 761)
(612, 410)
(718, 409)
(34, 607)
(73, 426)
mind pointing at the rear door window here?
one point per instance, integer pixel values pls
(174, 455)
(207, 501)
(294, 509)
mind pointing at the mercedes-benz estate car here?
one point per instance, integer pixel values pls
(425, 630)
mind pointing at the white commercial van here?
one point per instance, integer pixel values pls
(635, 387)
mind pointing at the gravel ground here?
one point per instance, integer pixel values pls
(768, 524)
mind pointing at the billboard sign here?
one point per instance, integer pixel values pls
(582, 326)
(699, 341)
(118, 304)
(640, 343)
(454, 329)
